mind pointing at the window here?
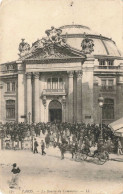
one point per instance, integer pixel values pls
(110, 84)
(110, 63)
(103, 84)
(8, 87)
(55, 83)
(11, 67)
(102, 62)
(60, 83)
(108, 109)
(13, 86)
(107, 84)
(10, 109)
(49, 83)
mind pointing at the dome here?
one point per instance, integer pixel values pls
(74, 34)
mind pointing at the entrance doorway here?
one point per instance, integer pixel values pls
(55, 111)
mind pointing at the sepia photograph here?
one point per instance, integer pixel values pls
(61, 97)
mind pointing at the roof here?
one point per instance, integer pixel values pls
(74, 34)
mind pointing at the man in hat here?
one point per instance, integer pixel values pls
(15, 173)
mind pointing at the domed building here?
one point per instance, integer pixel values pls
(60, 78)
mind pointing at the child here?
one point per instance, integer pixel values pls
(15, 173)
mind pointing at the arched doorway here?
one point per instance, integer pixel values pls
(55, 111)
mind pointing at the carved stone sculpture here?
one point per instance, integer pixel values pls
(54, 37)
(87, 46)
(24, 46)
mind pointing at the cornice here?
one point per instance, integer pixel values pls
(54, 60)
(87, 35)
(108, 57)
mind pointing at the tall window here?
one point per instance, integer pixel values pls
(49, 83)
(108, 109)
(55, 83)
(13, 86)
(110, 63)
(60, 83)
(8, 87)
(103, 84)
(102, 62)
(110, 84)
(10, 109)
(107, 84)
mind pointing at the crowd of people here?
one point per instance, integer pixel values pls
(65, 132)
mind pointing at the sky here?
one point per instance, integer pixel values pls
(30, 18)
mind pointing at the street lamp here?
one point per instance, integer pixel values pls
(29, 114)
(101, 102)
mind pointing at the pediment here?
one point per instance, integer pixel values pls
(53, 51)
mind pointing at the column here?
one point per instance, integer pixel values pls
(79, 96)
(36, 97)
(75, 98)
(21, 93)
(70, 96)
(118, 108)
(29, 97)
(64, 109)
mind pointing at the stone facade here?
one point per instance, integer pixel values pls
(55, 82)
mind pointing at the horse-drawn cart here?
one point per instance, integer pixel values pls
(101, 157)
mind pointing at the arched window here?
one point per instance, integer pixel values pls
(108, 109)
(10, 109)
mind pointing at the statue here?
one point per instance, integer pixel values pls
(37, 44)
(46, 43)
(24, 46)
(87, 46)
(54, 36)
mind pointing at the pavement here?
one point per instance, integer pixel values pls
(116, 157)
(51, 175)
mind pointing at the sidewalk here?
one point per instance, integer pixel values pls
(115, 157)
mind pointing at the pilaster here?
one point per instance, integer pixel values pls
(87, 89)
(36, 97)
(29, 97)
(70, 96)
(119, 97)
(79, 96)
(21, 92)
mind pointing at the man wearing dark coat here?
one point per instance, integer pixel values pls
(43, 147)
(35, 146)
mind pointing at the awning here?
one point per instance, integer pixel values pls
(117, 127)
(118, 124)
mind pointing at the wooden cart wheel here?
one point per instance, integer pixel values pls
(84, 156)
(102, 158)
(78, 156)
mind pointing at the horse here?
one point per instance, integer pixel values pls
(66, 148)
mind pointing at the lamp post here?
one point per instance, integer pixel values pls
(29, 114)
(101, 102)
